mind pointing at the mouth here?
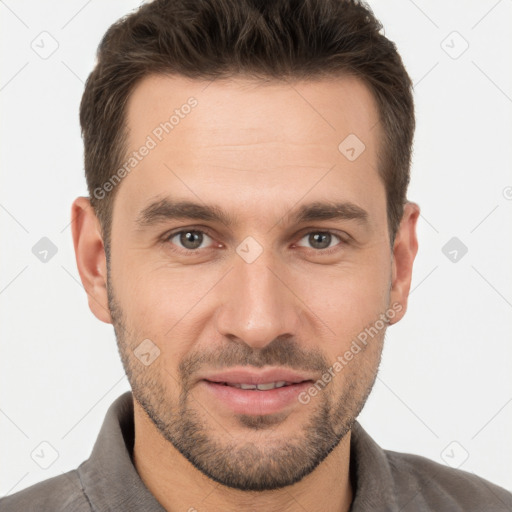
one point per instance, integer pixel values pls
(256, 391)
(264, 386)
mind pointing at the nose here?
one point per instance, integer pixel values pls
(258, 302)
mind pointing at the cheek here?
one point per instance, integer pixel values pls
(171, 305)
(347, 300)
(162, 305)
(349, 289)
(155, 295)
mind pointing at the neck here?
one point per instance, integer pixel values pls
(178, 485)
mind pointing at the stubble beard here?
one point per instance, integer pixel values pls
(247, 465)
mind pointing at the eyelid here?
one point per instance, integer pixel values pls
(342, 235)
(175, 231)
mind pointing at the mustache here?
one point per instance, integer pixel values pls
(282, 351)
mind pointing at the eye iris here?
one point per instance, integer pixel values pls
(319, 239)
(187, 237)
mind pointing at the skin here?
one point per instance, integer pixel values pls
(259, 151)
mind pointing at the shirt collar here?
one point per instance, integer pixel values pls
(109, 477)
(111, 482)
(371, 476)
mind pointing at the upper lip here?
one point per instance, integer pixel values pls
(246, 375)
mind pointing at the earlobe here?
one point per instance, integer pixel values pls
(405, 248)
(90, 257)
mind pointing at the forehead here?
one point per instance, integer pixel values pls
(240, 108)
(244, 142)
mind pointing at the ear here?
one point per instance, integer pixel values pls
(90, 257)
(405, 248)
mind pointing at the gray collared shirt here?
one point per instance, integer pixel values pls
(382, 480)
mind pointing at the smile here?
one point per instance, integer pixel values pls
(261, 387)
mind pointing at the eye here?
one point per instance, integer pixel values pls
(321, 240)
(189, 239)
(193, 240)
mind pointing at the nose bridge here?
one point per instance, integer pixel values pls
(258, 306)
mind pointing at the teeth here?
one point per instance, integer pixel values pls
(248, 386)
(262, 387)
(269, 385)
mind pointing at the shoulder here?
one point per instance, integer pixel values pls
(423, 484)
(58, 494)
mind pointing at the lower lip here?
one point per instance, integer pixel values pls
(254, 401)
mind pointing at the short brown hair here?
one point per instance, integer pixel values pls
(262, 39)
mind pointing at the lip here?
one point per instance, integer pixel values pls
(255, 402)
(240, 375)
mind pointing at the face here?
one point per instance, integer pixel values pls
(236, 315)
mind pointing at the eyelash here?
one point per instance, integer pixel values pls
(192, 252)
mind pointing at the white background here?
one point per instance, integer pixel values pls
(446, 371)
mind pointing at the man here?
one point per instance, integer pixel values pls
(248, 236)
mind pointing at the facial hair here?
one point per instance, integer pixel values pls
(247, 465)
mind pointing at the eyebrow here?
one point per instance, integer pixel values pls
(167, 209)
